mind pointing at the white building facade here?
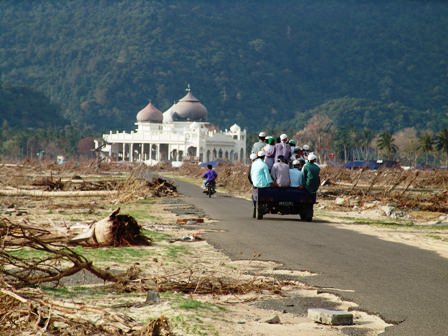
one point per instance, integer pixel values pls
(180, 133)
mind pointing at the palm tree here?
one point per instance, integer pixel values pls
(385, 143)
(365, 138)
(425, 144)
(441, 142)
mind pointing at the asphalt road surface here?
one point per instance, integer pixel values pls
(404, 285)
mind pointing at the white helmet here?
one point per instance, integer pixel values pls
(306, 147)
(252, 156)
(283, 136)
(262, 135)
(312, 156)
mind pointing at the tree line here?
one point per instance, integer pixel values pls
(407, 146)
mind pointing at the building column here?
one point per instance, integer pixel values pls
(124, 152)
(142, 152)
(131, 152)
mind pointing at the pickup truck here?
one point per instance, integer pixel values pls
(283, 201)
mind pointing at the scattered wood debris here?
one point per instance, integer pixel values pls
(157, 327)
(162, 188)
(29, 311)
(189, 220)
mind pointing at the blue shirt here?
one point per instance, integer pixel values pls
(209, 175)
(296, 177)
(259, 173)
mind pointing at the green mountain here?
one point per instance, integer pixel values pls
(22, 107)
(381, 64)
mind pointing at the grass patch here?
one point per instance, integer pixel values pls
(173, 251)
(29, 254)
(140, 210)
(75, 291)
(125, 255)
(387, 223)
(440, 238)
(193, 325)
(179, 301)
(156, 236)
(141, 214)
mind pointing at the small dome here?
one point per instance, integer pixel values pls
(189, 108)
(235, 128)
(150, 114)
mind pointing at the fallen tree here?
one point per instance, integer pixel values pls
(56, 262)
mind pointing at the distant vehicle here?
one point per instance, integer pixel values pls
(371, 164)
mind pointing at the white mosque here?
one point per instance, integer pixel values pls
(178, 134)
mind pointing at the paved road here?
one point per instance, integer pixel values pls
(402, 284)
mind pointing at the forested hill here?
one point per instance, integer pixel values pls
(253, 62)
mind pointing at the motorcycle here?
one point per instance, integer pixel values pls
(210, 188)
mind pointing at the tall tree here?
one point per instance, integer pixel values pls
(426, 144)
(441, 142)
(319, 134)
(407, 143)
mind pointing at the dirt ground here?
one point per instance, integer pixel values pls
(180, 285)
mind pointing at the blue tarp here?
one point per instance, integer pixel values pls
(371, 164)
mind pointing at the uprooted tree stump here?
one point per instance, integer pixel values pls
(114, 230)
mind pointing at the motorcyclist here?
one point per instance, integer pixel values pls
(209, 176)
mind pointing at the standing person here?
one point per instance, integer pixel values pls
(297, 154)
(209, 176)
(292, 144)
(269, 149)
(283, 148)
(296, 174)
(306, 151)
(252, 158)
(258, 146)
(259, 172)
(311, 175)
(280, 173)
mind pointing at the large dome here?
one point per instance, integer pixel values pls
(168, 114)
(150, 114)
(189, 108)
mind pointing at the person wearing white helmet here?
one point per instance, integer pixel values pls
(252, 158)
(269, 150)
(283, 148)
(296, 174)
(257, 146)
(311, 175)
(306, 151)
(259, 172)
